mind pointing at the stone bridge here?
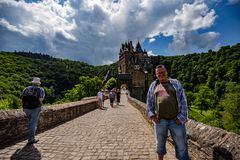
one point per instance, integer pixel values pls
(79, 130)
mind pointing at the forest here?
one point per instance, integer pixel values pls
(57, 76)
(211, 81)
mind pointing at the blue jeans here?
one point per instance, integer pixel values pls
(33, 116)
(178, 133)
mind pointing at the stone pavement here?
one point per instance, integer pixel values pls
(115, 133)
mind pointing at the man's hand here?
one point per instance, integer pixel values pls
(155, 119)
(178, 121)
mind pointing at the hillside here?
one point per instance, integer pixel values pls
(57, 75)
(209, 68)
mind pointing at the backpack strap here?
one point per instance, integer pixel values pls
(36, 90)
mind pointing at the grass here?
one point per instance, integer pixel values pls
(207, 117)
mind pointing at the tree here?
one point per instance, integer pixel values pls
(111, 83)
(4, 104)
(86, 88)
(190, 98)
(231, 115)
(211, 77)
(232, 74)
(220, 88)
(205, 98)
(49, 94)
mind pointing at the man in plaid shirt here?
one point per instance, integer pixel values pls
(167, 107)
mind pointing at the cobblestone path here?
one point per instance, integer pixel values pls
(115, 133)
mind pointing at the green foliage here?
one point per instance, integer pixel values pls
(86, 88)
(111, 83)
(49, 94)
(11, 102)
(204, 98)
(4, 104)
(205, 68)
(231, 106)
(231, 116)
(190, 97)
(209, 117)
(57, 75)
(219, 88)
(233, 87)
(14, 102)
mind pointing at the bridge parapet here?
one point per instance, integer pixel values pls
(13, 123)
(205, 142)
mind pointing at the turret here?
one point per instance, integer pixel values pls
(139, 48)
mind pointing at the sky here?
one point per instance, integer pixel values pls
(92, 31)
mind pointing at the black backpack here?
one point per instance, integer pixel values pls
(30, 99)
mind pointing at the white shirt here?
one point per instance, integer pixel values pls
(100, 95)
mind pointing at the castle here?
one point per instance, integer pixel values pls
(134, 70)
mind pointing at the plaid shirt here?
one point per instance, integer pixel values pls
(181, 100)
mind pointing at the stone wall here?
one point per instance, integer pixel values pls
(13, 123)
(205, 142)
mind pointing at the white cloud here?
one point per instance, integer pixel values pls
(10, 27)
(93, 30)
(217, 47)
(152, 40)
(39, 19)
(150, 53)
(193, 16)
(186, 22)
(188, 41)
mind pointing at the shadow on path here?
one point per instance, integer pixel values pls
(28, 152)
(220, 153)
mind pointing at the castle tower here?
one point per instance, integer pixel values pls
(134, 68)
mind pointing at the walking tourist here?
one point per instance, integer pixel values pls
(32, 99)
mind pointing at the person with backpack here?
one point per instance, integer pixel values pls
(32, 99)
(167, 107)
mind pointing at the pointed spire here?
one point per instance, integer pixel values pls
(139, 48)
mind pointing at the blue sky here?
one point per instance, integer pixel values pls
(93, 30)
(227, 24)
